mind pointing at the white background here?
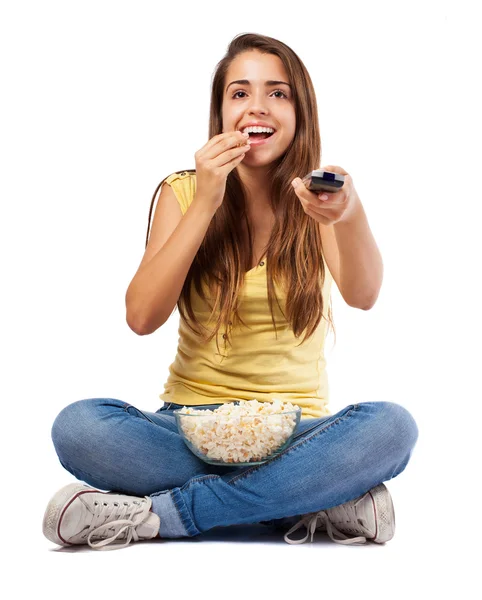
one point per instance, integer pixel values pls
(101, 101)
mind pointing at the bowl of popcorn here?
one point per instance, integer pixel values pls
(247, 433)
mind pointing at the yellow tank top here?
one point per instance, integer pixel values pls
(256, 366)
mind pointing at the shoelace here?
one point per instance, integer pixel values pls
(346, 511)
(125, 521)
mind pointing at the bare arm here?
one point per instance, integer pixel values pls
(361, 264)
(155, 289)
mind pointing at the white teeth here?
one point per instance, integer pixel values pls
(258, 130)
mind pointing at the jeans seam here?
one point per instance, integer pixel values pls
(307, 430)
(189, 527)
(139, 410)
(176, 496)
(354, 408)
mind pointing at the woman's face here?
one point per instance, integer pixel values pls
(272, 104)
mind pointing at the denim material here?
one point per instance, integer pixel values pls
(114, 446)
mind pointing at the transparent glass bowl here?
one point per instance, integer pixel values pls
(237, 441)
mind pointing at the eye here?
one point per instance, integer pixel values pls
(241, 92)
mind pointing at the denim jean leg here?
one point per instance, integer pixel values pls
(338, 460)
(114, 446)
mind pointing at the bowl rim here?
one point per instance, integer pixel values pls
(285, 412)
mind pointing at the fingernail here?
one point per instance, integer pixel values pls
(324, 197)
(294, 183)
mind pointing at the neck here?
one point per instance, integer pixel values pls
(258, 202)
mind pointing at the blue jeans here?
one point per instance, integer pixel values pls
(113, 446)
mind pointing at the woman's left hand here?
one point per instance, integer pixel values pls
(337, 208)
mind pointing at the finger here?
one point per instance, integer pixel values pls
(307, 196)
(312, 199)
(328, 197)
(314, 206)
(315, 198)
(317, 216)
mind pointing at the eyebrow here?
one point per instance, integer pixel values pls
(268, 83)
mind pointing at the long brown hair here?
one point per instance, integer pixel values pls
(294, 251)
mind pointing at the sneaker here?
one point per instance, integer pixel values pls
(370, 516)
(79, 514)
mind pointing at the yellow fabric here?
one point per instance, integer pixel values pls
(257, 365)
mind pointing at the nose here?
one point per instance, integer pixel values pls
(257, 102)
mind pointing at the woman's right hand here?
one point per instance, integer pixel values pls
(214, 161)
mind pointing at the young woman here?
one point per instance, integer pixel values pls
(228, 240)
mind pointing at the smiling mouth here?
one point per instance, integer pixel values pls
(260, 136)
(259, 139)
